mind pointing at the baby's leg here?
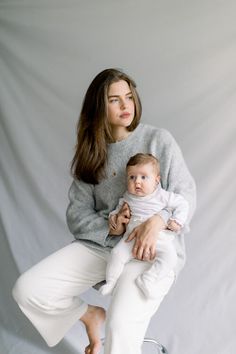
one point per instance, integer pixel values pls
(164, 263)
(120, 255)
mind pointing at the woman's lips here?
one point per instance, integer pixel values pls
(125, 115)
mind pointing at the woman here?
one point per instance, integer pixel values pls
(109, 132)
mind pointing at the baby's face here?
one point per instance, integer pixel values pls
(142, 179)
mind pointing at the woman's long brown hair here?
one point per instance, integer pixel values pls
(93, 130)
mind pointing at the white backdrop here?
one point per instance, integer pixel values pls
(182, 55)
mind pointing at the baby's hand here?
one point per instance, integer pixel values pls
(173, 226)
(118, 222)
(113, 221)
(124, 213)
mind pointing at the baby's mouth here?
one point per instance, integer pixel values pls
(138, 189)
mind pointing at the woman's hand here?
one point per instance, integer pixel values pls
(118, 222)
(146, 235)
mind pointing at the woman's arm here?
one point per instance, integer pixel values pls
(84, 222)
(175, 177)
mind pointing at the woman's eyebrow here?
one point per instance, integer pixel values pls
(129, 93)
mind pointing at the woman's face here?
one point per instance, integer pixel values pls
(121, 108)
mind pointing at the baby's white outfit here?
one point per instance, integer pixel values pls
(142, 208)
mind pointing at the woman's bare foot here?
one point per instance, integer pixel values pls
(93, 320)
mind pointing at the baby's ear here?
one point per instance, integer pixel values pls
(158, 178)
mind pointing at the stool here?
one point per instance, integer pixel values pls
(160, 348)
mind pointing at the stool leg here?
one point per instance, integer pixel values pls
(161, 348)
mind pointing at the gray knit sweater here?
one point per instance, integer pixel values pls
(90, 205)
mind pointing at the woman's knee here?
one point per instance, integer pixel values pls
(23, 289)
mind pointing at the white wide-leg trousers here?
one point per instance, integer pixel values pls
(49, 295)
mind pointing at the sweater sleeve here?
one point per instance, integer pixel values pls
(179, 207)
(82, 217)
(175, 176)
(118, 207)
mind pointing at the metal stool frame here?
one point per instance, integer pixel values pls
(160, 348)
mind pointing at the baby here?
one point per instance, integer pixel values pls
(145, 197)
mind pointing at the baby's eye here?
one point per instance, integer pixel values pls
(144, 177)
(132, 177)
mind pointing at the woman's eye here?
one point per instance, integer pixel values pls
(114, 100)
(130, 98)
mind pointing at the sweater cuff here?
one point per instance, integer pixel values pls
(112, 240)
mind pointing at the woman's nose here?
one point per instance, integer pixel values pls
(123, 104)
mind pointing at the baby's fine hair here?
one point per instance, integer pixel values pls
(143, 159)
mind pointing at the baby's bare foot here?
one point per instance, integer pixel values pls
(93, 320)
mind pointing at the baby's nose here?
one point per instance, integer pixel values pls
(138, 180)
